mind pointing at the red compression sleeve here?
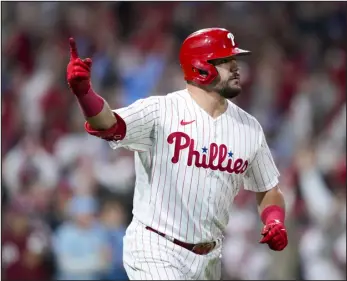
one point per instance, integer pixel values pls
(91, 103)
(272, 212)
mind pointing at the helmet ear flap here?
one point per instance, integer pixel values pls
(200, 71)
(204, 72)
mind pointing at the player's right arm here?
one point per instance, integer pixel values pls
(131, 127)
(95, 109)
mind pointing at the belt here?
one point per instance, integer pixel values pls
(199, 249)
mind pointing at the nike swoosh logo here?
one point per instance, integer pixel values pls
(183, 123)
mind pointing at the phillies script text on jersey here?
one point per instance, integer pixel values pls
(216, 152)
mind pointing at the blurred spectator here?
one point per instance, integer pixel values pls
(79, 244)
(112, 218)
(25, 244)
(327, 215)
(29, 162)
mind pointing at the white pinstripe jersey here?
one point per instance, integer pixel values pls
(189, 166)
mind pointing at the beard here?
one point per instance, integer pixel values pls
(227, 89)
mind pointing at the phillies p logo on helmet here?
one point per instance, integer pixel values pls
(231, 37)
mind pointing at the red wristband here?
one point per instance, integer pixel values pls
(91, 103)
(271, 213)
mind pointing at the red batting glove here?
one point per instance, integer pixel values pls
(78, 78)
(78, 72)
(275, 235)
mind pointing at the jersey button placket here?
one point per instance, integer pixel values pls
(215, 140)
(215, 129)
(210, 172)
(215, 135)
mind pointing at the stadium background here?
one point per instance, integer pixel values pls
(55, 175)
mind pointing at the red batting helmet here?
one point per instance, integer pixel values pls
(203, 46)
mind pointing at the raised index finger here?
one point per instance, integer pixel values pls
(73, 49)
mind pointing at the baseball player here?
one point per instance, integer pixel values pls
(194, 150)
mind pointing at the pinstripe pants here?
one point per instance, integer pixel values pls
(149, 256)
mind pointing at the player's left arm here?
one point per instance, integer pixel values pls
(261, 177)
(271, 208)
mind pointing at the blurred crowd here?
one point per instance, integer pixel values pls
(67, 197)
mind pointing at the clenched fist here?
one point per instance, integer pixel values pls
(78, 71)
(275, 235)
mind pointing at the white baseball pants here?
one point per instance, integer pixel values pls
(149, 256)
